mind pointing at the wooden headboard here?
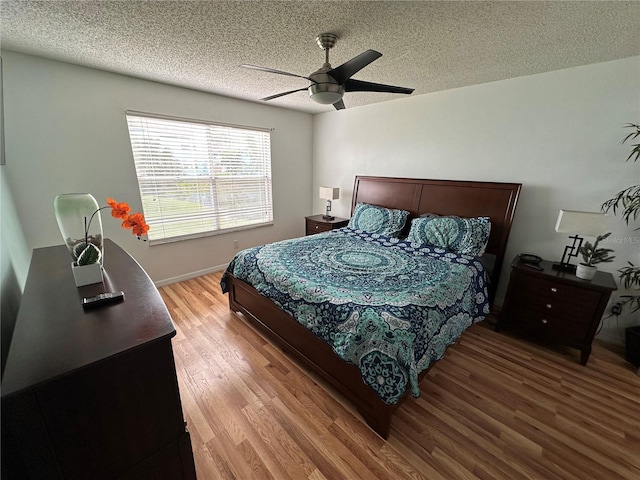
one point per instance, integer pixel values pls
(448, 197)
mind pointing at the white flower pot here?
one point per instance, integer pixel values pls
(87, 274)
(585, 272)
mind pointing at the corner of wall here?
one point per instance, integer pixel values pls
(14, 264)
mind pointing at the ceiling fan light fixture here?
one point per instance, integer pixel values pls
(326, 98)
(326, 93)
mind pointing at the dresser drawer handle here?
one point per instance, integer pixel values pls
(548, 305)
(317, 227)
(545, 321)
(554, 289)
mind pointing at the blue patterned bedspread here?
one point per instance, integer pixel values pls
(388, 306)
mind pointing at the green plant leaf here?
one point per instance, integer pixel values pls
(89, 255)
(593, 255)
(628, 202)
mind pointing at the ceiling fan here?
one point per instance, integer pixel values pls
(328, 84)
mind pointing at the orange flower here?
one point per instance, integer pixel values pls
(118, 210)
(133, 221)
(136, 223)
(140, 230)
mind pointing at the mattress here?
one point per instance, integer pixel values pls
(386, 305)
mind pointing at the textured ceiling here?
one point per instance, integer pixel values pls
(429, 46)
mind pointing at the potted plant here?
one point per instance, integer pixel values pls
(627, 202)
(592, 255)
(75, 213)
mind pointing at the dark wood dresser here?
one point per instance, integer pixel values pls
(554, 306)
(317, 224)
(92, 394)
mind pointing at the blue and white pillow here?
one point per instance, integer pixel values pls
(380, 220)
(468, 236)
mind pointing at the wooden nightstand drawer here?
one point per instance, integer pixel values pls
(556, 299)
(555, 306)
(317, 227)
(317, 224)
(551, 289)
(543, 325)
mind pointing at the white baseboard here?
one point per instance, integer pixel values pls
(189, 276)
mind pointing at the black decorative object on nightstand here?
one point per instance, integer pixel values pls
(555, 306)
(317, 224)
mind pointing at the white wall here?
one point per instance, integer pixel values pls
(557, 133)
(14, 264)
(66, 131)
(14, 253)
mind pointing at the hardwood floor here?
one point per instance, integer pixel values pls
(496, 407)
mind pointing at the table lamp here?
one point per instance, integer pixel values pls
(328, 194)
(587, 224)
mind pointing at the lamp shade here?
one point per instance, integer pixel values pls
(329, 193)
(588, 224)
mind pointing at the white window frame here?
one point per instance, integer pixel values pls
(183, 167)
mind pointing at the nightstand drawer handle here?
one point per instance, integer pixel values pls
(545, 321)
(317, 227)
(548, 305)
(554, 289)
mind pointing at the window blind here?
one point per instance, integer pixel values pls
(198, 178)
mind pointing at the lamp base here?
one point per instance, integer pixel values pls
(564, 267)
(328, 217)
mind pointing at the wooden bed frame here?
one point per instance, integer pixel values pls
(442, 197)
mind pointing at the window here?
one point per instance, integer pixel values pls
(198, 178)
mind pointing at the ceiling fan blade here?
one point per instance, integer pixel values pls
(279, 72)
(339, 105)
(351, 67)
(360, 86)
(282, 94)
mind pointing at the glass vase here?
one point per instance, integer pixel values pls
(78, 216)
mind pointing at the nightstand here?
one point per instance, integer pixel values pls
(317, 224)
(555, 306)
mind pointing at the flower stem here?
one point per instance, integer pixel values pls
(87, 225)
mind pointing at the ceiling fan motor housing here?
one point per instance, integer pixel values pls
(326, 90)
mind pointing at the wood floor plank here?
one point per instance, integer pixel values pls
(284, 449)
(495, 407)
(470, 434)
(385, 462)
(306, 436)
